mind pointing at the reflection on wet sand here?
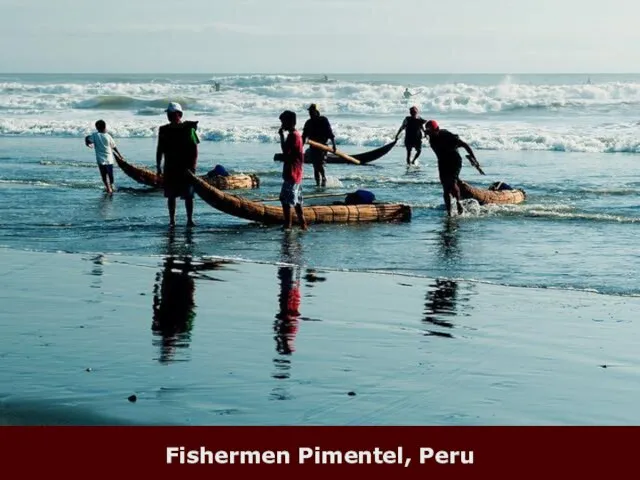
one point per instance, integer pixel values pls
(97, 270)
(440, 305)
(441, 299)
(174, 306)
(312, 277)
(287, 318)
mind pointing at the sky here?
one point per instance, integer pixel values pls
(319, 36)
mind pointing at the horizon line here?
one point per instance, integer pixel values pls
(313, 73)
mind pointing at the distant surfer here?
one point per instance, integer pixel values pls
(445, 146)
(216, 86)
(414, 125)
(318, 129)
(407, 93)
(325, 78)
(105, 147)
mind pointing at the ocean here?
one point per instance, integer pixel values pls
(570, 141)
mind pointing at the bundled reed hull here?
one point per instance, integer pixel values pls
(273, 215)
(141, 175)
(232, 182)
(363, 158)
(150, 178)
(486, 196)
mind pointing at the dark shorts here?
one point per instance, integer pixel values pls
(449, 171)
(417, 144)
(106, 169)
(316, 156)
(177, 185)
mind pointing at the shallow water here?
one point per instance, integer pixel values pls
(576, 230)
(506, 314)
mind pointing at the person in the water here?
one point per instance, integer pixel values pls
(445, 145)
(413, 124)
(318, 128)
(106, 149)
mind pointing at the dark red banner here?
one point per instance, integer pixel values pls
(405, 452)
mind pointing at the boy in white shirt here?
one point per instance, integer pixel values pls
(105, 147)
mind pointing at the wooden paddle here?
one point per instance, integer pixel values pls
(321, 195)
(337, 153)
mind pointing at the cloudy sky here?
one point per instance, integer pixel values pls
(319, 36)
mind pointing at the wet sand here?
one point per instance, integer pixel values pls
(213, 342)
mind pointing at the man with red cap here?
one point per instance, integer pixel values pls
(413, 135)
(445, 145)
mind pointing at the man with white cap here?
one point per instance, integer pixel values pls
(178, 144)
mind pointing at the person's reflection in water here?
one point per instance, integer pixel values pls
(440, 304)
(286, 321)
(174, 301)
(448, 243)
(286, 324)
(97, 270)
(174, 306)
(441, 300)
(105, 206)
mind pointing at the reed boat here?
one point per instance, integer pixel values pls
(271, 215)
(150, 178)
(497, 193)
(363, 158)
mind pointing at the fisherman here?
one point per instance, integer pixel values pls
(413, 135)
(445, 146)
(105, 148)
(292, 169)
(318, 129)
(178, 144)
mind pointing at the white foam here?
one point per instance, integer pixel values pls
(269, 94)
(496, 136)
(506, 116)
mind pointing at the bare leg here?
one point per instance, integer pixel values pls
(111, 179)
(447, 199)
(188, 204)
(105, 180)
(322, 174)
(418, 152)
(455, 190)
(286, 210)
(300, 214)
(171, 203)
(408, 156)
(316, 174)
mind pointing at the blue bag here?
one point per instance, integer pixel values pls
(360, 197)
(218, 171)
